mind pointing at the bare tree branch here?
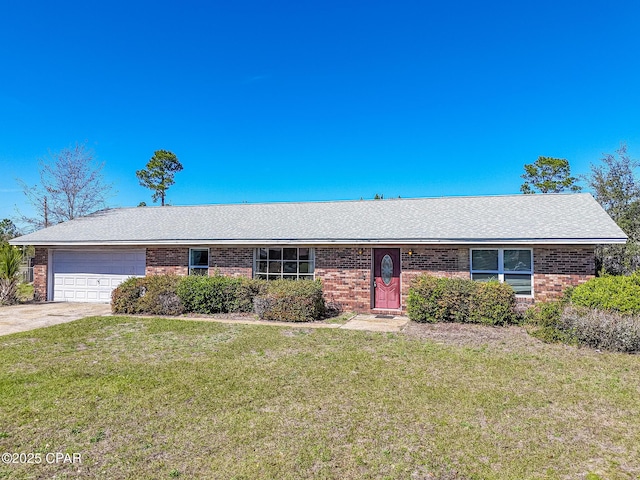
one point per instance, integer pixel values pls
(71, 186)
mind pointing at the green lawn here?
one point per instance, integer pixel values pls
(148, 398)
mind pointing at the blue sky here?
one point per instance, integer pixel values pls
(316, 100)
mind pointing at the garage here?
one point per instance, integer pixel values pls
(91, 275)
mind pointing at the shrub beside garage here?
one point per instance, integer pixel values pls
(153, 295)
(280, 300)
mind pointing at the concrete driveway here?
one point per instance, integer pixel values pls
(20, 318)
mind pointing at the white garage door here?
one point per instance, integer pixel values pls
(90, 276)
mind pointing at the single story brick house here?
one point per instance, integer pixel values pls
(366, 252)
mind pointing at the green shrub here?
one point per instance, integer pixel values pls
(152, 295)
(434, 299)
(201, 294)
(544, 314)
(456, 297)
(494, 303)
(617, 293)
(291, 301)
(158, 296)
(246, 290)
(600, 329)
(10, 258)
(542, 321)
(423, 301)
(283, 300)
(218, 294)
(25, 292)
(124, 298)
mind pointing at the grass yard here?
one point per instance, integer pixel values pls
(153, 399)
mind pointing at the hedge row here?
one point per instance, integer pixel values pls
(219, 294)
(434, 299)
(615, 293)
(282, 300)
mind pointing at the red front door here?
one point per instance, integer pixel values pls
(386, 278)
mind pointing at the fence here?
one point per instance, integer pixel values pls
(26, 274)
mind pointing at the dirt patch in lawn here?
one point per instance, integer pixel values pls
(506, 338)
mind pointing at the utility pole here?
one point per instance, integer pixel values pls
(46, 213)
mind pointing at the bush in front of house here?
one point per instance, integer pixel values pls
(279, 300)
(159, 296)
(219, 293)
(616, 293)
(152, 295)
(562, 322)
(437, 299)
(291, 301)
(603, 313)
(124, 298)
(493, 303)
(542, 321)
(202, 294)
(605, 330)
(434, 299)
(246, 290)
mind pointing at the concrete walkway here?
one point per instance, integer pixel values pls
(20, 318)
(376, 323)
(361, 321)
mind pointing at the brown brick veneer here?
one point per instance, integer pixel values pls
(40, 272)
(347, 276)
(167, 260)
(556, 268)
(232, 261)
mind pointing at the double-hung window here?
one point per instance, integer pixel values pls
(199, 261)
(289, 263)
(509, 265)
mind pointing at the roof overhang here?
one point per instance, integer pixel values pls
(333, 241)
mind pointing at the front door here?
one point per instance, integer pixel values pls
(386, 278)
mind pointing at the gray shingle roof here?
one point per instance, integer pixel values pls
(561, 218)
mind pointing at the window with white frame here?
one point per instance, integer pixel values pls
(289, 263)
(199, 261)
(509, 265)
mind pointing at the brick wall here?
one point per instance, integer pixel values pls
(556, 268)
(40, 272)
(346, 276)
(232, 261)
(167, 260)
(438, 261)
